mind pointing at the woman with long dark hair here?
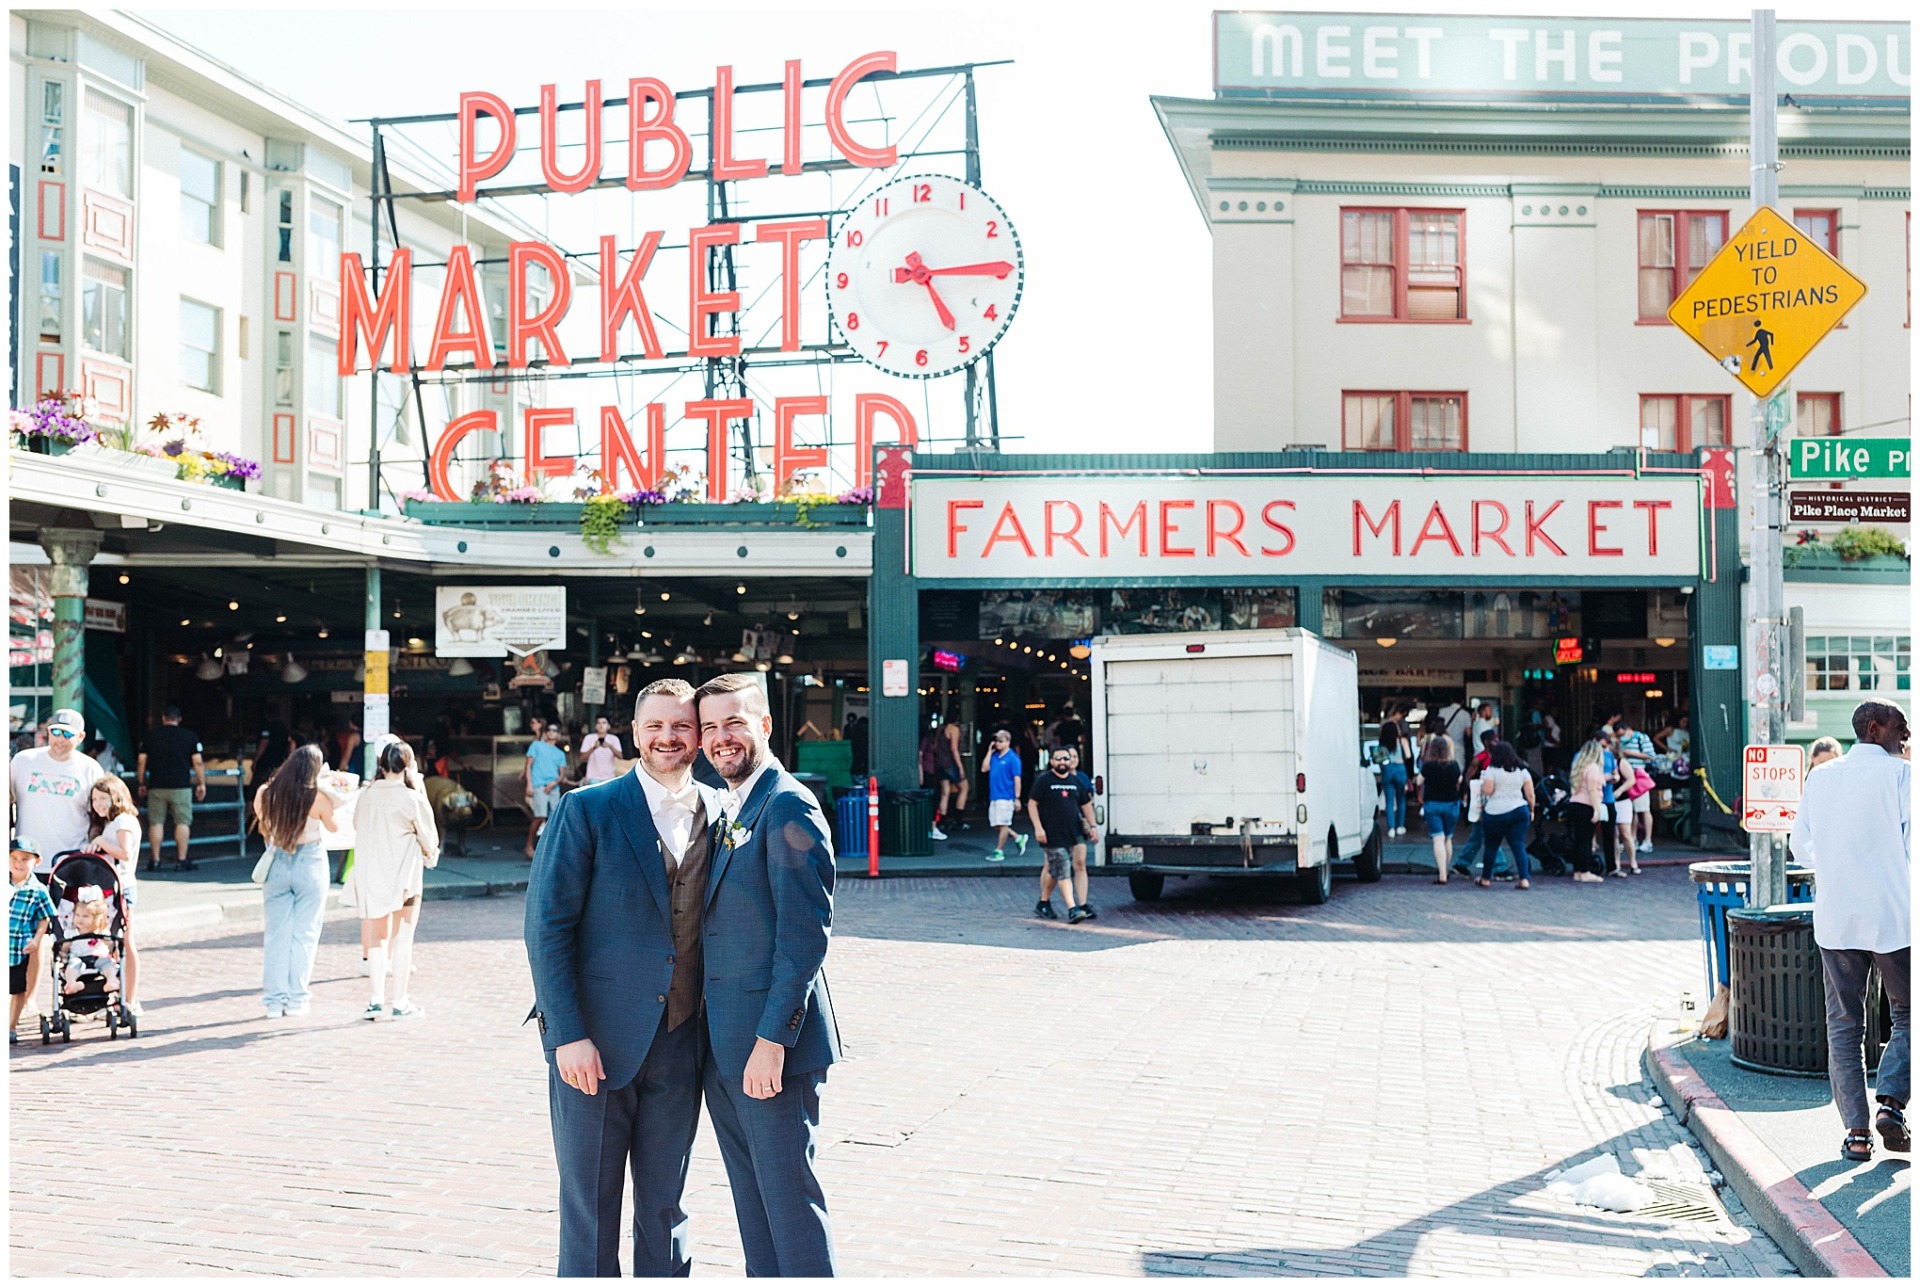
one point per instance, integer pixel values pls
(113, 832)
(294, 807)
(394, 842)
(1508, 811)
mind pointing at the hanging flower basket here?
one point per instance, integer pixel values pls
(53, 426)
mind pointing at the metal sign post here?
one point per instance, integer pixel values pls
(1768, 883)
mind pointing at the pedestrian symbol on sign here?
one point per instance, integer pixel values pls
(1764, 338)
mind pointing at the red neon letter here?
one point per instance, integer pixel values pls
(358, 314)
(1067, 537)
(790, 126)
(866, 406)
(787, 458)
(1286, 533)
(589, 170)
(472, 170)
(873, 158)
(616, 449)
(790, 235)
(543, 325)
(442, 459)
(720, 136)
(1138, 516)
(717, 412)
(955, 526)
(539, 463)
(460, 287)
(1360, 516)
(703, 303)
(1536, 527)
(1166, 530)
(1653, 509)
(1427, 532)
(1230, 535)
(621, 296)
(1595, 527)
(1007, 519)
(641, 91)
(1494, 535)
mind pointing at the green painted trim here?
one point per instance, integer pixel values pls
(1220, 183)
(1600, 192)
(1851, 576)
(1300, 460)
(1341, 187)
(1305, 582)
(1886, 194)
(1713, 148)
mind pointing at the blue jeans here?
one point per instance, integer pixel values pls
(1512, 828)
(1393, 777)
(296, 903)
(1441, 818)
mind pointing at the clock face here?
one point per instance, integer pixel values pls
(924, 276)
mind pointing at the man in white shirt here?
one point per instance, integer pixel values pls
(51, 785)
(1457, 723)
(1854, 829)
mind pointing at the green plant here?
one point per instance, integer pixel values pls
(600, 520)
(1852, 543)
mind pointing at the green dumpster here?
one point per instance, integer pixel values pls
(906, 823)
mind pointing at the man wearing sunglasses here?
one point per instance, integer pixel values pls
(51, 784)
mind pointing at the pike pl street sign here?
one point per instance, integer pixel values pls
(1850, 458)
(1765, 301)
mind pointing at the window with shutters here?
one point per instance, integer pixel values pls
(1674, 246)
(1685, 421)
(1402, 265)
(1381, 420)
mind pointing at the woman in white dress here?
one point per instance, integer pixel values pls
(395, 841)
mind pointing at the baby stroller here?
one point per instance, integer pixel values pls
(1552, 845)
(91, 956)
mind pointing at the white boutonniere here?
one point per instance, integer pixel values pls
(733, 835)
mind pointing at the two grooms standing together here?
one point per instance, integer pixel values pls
(676, 935)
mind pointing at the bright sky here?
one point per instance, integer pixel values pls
(1112, 346)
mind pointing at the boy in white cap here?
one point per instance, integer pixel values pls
(51, 784)
(29, 913)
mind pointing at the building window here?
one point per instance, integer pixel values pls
(323, 250)
(53, 126)
(1816, 415)
(286, 227)
(283, 368)
(52, 297)
(1822, 228)
(106, 154)
(246, 192)
(1859, 663)
(200, 197)
(1403, 421)
(199, 346)
(1674, 246)
(103, 309)
(323, 381)
(1684, 421)
(1403, 265)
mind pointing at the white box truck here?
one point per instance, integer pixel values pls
(1232, 754)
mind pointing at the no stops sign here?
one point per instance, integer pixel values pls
(1772, 778)
(1765, 301)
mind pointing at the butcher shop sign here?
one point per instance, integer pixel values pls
(498, 620)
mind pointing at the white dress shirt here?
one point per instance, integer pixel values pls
(1855, 829)
(672, 813)
(732, 799)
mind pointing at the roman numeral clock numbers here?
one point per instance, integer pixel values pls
(924, 277)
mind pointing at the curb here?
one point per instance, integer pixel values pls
(1818, 1244)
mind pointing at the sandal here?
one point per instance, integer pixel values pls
(1857, 1147)
(1483, 882)
(1523, 884)
(1892, 1125)
(1440, 880)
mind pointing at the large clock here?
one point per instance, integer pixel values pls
(924, 276)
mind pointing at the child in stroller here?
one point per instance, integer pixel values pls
(90, 917)
(1552, 844)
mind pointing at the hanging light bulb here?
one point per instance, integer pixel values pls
(739, 589)
(665, 595)
(281, 618)
(233, 605)
(293, 672)
(460, 669)
(124, 578)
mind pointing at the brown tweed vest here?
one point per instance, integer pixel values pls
(687, 894)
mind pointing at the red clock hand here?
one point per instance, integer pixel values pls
(940, 307)
(917, 271)
(998, 268)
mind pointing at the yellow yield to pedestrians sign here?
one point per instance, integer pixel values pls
(1767, 299)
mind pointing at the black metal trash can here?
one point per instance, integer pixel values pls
(906, 823)
(1778, 1022)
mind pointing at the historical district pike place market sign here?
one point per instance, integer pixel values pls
(923, 280)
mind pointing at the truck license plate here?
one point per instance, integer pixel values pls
(1127, 853)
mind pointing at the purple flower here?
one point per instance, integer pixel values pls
(239, 465)
(50, 419)
(857, 496)
(641, 496)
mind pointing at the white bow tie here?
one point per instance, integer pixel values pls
(685, 798)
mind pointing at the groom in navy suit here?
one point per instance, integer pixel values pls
(769, 911)
(613, 931)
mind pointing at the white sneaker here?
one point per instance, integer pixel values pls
(936, 834)
(408, 1010)
(366, 968)
(298, 1009)
(133, 1008)
(1646, 846)
(373, 1011)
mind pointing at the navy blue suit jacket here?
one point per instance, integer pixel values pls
(599, 926)
(768, 916)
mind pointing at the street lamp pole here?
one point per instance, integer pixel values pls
(1765, 651)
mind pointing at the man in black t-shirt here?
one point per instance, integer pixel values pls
(171, 778)
(1060, 807)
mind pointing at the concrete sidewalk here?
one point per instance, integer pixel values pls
(1776, 1139)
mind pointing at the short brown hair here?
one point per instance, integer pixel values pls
(666, 688)
(735, 682)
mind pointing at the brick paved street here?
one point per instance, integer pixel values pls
(1220, 1083)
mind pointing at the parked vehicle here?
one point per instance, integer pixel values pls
(1232, 754)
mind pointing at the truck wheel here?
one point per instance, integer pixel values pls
(1316, 883)
(1146, 885)
(1367, 865)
